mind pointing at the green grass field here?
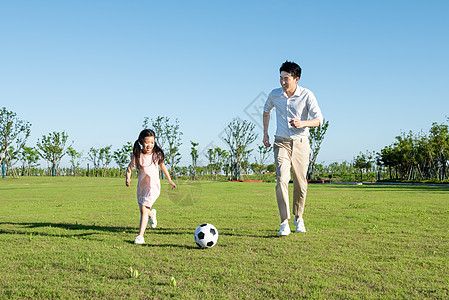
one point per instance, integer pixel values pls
(73, 238)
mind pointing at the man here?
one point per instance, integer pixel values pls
(296, 110)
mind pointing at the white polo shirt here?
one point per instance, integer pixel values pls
(301, 105)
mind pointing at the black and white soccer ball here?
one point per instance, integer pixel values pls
(206, 235)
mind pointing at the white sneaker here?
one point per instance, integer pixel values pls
(139, 240)
(299, 223)
(285, 229)
(152, 219)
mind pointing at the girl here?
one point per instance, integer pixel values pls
(147, 156)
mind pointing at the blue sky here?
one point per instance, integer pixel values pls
(95, 69)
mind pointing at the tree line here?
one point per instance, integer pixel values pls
(412, 156)
(234, 163)
(419, 157)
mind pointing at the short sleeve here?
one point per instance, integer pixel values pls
(268, 104)
(314, 109)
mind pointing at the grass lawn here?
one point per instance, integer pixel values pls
(73, 238)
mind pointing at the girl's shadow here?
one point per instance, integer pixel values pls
(164, 245)
(68, 226)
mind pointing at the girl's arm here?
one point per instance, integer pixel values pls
(167, 175)
(129, 170)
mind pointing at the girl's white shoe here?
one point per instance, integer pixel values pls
(152, 219)
(139, 240)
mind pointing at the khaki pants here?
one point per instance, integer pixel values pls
(292, 154)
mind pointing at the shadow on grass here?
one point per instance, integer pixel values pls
(95, 228)
(68, 226)
(164, 245)
(268, 234)
(164, 231)
(265, 234)
(71, 227)
(399, 187)
(221, 231)
(169, 231)
(81, 235)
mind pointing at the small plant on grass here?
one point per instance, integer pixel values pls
(134, 273)
(173, 281)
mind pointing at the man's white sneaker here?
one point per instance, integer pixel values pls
(152, 219)
(299, 223)
(285, 229)
(139, 240)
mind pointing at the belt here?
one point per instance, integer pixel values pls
(283, 139)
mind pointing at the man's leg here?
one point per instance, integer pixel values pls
(282, 158)
(300, 164)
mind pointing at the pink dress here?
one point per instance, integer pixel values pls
(149, 184)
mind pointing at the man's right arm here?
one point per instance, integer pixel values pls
(266, 121)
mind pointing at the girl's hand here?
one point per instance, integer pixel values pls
(128, 182)
(172, 183)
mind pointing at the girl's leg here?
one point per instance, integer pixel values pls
(144, 213)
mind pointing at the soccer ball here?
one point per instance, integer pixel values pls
(206, 235)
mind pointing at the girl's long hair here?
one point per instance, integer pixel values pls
(158, 154)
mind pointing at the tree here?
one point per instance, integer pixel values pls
(29, 157)
(239, 136)
(159, 124)
(217, 158)
(105, 157)
(264, 152)
(52, 148)
(13, 134)
(122, 156)
(316, 138)
(363, 161)
(406, 152)
(226, 159)
(182, 171)
(257, 169)
(173, 135)
(194, 155)
(334, 167)
(245, 161)
(75, 158)
(418, 156)
(359, 163)
(259, 166)
(387, 158)
(93, 156)
(222, 157)
(170, 134)
(439, 141)
(271, 168)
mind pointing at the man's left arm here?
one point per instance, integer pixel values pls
(314, 112)
(306, 123)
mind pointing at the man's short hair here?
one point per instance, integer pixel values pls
(290, 67)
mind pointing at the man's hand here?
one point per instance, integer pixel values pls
(128, 182)
(297, 123)
(266, 140)
(266, 121)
